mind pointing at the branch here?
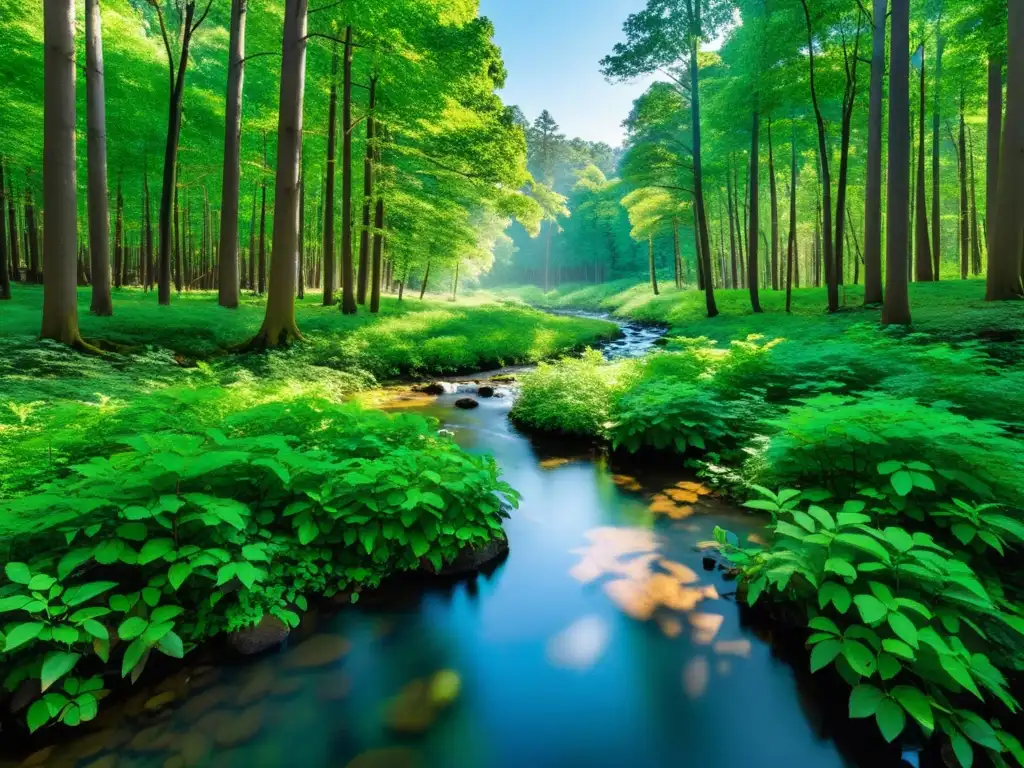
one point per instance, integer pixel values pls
(263, 53)
(167, 42)
(674, 79)
(326, 7)
(201, 18)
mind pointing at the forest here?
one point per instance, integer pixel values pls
(350, 415)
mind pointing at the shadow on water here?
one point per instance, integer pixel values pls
(601, 641)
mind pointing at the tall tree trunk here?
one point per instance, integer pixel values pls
(261, 271)
(650, 264)
(924, 256)
(773, 192)
(378, 249)
(849, 100)
(676, 256)
(698, 174)
(35, 274)
(1006, 233)
(228, 250)
(993, 137)
(817, 238)
(120, 266)
(364, 239)
(791, 250)
(755, 204)
(732, 230)
(178, 275)
(964, 222)
(547, 257)
(826, 179)
(936, 216)
(60, 188)
(279, 325)
(701, 275)
(5, 279)
(348, 289)
(300, 275)
(896, 310)
(96, 120)
(148, 225)
(12, 221)
(426, 277)
(332, 138)
(251, 282)
(975, 242)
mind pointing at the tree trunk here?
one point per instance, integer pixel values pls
(650, 264)
(975, 242)
(332, 139)
(378, 249)
(364, 239)
(676, 255)
(228, 267)
(826, 180)
(261, 272)
(35, 274)
(119, 259)
(755, 202)
(924, 256)
(849, 100)
(547, 257)
(12, 221)
(348, 288)
(896, 310)
(60, 231)
(252, 241)
(148, 225)
(300, 275)
(936, 216)
(1006, 232)
(732, 229)
(791, 250)
(5, 279)
(964, 223)
(96, 119)
(426, 276)
(993, 137)
(279, 322)
(773, 192)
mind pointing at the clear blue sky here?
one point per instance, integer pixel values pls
(552, 49)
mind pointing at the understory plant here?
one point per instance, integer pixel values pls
(901, 594)
(179, 536)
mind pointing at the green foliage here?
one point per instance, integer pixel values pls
(178, 536)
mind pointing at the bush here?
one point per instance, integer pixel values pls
(179, 536)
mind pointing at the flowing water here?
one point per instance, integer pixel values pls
(601, 641)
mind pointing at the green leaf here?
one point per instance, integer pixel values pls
(132, 531)
(956, 670)
(822, 515)
(900, 539)
(823, 624)
(898, 648)
(824, 653)
(923, 481)
(171, 645)
(132, 628)
(72, 560)
(41, 582)
(95, 629)
(133, 655)
(21, 634)
(916, 704)
(276, 467)
(805, 521)
(19, 573)
(904, 628)
(962, 749)
(890, 718)
(155, 632)
(177, 574)
(902, 482)
(38, 715)
(837, 594)
(871, 608)
(15, 603)
(420, 545)
(888, 666)
(165, 613)
(864, 700)
(56, 665)
(154, 549)
(865, 543)
(368, 535)
(888, 467)
(840, 568)
(860, 657)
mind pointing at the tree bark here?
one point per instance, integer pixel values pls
(896, 310)
(378, 249)
(1006, 233)
(119, 259)
(148, 227)
(754, 219)
(348, 293)
(849, 100)
(35, 274)
(924, 256)
(732, 230)
(178, 265)
(332, 138)
(676, 255)
(964, 222)
(12, 221)
(279, 325)
(96, 119)
(826, 179)
(228, 251)
(426, 276)
(791, 250)
(60, 295)
(251, 281)
(975, 242)
(993, 138)
(300, 276)
(936, 216)
(5, 278)
(364, 239)
(650, 264)
(773, 192)
(261, 271)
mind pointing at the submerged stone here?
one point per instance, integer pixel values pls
(388, 757)
(318, 651)
(466, 403)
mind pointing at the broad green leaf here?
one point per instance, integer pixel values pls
(888, 666)
(837, 594)
(154, 549)
(824, 653)
(890, 718)
(860, 657)
(177, 574)
(956, 670)
(916, 704)
(132, 628)
(898, 648)
(840, 568)
(871, 608)
(823, 624)
(822, 515)
(21, 634)
(962, 749)
(902, 482)
(864, 700)
(904, 628)
(132, 656)
(19, 573)
(38, 715)
(899, 538)
(56, 665)
(888, 467)
(170, 644)
(865, 543)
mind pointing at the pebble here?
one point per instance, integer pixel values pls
(160, 701)
(195, 748)
(152, 739)
(258, 685)
(318, 651)
(37, 758)
(203, 702)
(240, 728)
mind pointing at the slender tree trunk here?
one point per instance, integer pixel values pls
(228, 250)
(547, 257)
(35, 274)
(178, 265)
(300, 275)
(791, 251)
(348, 290)
(1006, 233)
(96, 119)
(964, 222)
(650, 264)
(279, 325)
(60, 295)
(773, 191)
(676, 255)
(120, 266)
(975, 242)
(741, 224)
(378, 249)
(924, 256)
(826, 180)
(261, 272)
(936, 108)
(148, 226)
(5, 278)
(12, 220)
(732, 230)
(849, 100)
(993, 138)
(817, 239)
(364, 239)
(332, 138)
(426, 277)
(896, 310)
(251, 282)
(755, 204)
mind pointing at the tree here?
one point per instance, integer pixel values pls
(96, 119)
(348, 294)
(5, 278)
(1006, 236)
(228, 251)
(279, 325)
(332, 137)
(189, 25)
(60, 173)
(896, 310)
(924, 258)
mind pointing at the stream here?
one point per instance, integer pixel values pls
(601, 641)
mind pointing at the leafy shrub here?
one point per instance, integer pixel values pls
(180, 536)
(898, 612)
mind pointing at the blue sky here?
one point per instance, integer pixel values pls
(552, 49)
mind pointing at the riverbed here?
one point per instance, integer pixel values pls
(606, 638)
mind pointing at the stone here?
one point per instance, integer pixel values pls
(152, 739)
(485, 391)
(388, 757)
(333, 687)
(159, 701)
(318, 651)
(200, 704)
(434, 388)
(411, 711)
(239, 729)
(258, 684)
(472, 559)
(466, 403)
(37, 758)
(269, 633)
(286, 688)
(195, 749)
